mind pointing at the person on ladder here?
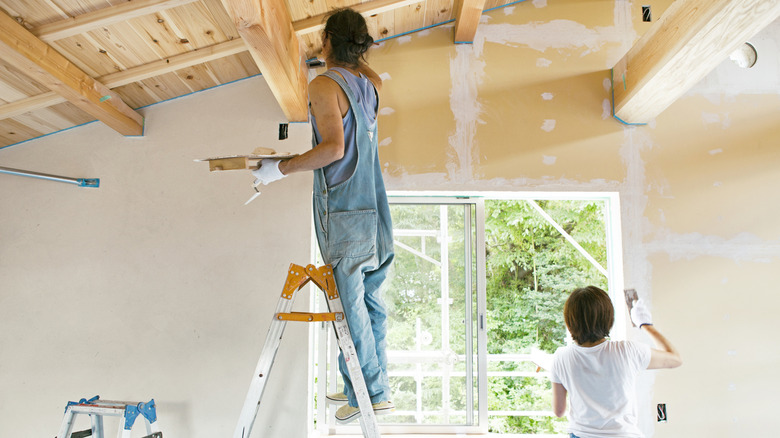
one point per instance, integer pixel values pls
(351, 212)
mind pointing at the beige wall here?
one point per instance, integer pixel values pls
(528, 107)
(161, 284)
(158, 284)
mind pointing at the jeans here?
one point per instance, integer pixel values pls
(358, 280)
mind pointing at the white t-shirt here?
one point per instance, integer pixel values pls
(601, 383)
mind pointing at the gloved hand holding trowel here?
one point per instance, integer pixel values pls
(267, 171)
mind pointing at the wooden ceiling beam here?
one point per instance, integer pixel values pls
(691, 38)
(131, 75)
(103, 17)
(467, 19)
(39, 61)
(267, 29)
(317, 22)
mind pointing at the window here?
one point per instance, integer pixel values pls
(478, 283)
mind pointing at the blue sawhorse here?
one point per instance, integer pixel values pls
(97, 408)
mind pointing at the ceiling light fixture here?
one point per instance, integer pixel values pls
(745, 56)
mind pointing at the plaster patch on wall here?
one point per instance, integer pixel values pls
(717, 184)
(624, 26)
(556, 34)
(607, 84)
(715, 151)
(508, 10)
(712, 118)
(606, 109)
(540, 3)
(542, 62)
(404, 39)
(466, 74)
(441, 181)
(742, 247)
(385, 76)
(386, 141)
(548, 160)
(548, 125)
(547, 96)
(386, 111)
(633, 203)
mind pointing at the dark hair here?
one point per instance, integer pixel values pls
(348, 34)
(589, 314)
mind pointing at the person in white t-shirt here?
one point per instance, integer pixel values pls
(598, 374)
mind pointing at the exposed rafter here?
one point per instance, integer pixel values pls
(467, 18)
(125, 11)
(103, 17)
(131, 75)
(690, 40)
(266, 27)
(39, 61)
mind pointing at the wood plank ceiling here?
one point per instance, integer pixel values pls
(67, 62)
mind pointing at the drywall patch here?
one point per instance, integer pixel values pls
(607, 84)
(565, 34)
(548, 125)
(712, 118)
(385, 76)
(540, 3)
(441, 181)
(742, 247)
(509, 10)
(466, 74)
(715, 151)
(386, 141)
(547, 96)
(549, 160)
(404, 39)
(606, 109)
(386, 111)
(556, 34)
(542, 62)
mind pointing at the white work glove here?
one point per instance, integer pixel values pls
(268, 172)
(640, 314)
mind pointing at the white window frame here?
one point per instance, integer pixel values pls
(614, 273)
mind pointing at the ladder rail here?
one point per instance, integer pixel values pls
(297, 277)
(262, 371)
(368, 423)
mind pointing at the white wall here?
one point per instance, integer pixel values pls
(160, 283)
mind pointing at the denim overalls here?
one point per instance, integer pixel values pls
(355, 235)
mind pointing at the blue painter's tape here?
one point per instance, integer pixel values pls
(105, 98)
(612, 79)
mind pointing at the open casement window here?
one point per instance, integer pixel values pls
(478, 284)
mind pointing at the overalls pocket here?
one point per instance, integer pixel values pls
(352, 233)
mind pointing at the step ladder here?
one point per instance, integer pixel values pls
(297, 277)
(97, 409)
